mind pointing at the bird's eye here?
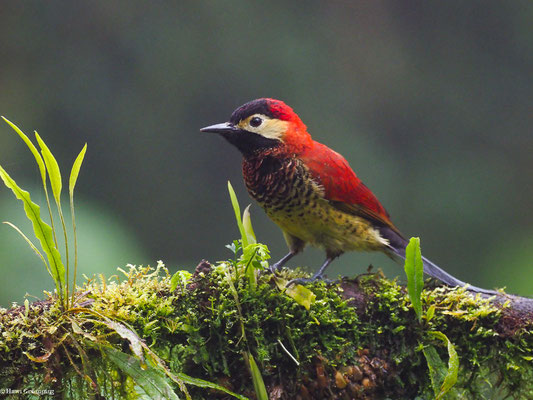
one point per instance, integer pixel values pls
(255, 122)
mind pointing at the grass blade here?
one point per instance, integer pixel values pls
(181, 378)
(32, 148)
(437, 369)
(250, 271)
(203, 384)
(34, 248)
(450, 378)
(414, 269)
(134, 367)
(55, 181)
(150, 380)
(247, 225)
(53, 169)
(43, 232)
(237, 210)
(75, 171)
(126, 333)
(257, 379)
(42, 169)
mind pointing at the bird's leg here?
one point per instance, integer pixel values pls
(277, 266)
(295, 244)
(322, 269)
(316, 276)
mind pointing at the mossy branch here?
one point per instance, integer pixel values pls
(360, 339)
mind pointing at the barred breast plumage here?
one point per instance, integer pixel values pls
(289, 195)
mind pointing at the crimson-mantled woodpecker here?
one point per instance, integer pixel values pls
(309, 190)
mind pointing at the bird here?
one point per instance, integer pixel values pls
(310, 191)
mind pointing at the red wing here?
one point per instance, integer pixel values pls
(342, 187)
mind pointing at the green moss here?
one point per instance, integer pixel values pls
(359, 339)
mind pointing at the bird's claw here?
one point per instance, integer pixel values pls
(303, 281)
(274, 268)
(299, 281)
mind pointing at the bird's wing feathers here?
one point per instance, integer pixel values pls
(342, 187)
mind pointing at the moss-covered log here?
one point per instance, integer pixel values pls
(360, 339)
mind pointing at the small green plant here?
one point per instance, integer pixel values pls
(45, 233)
(414, 269)
(252, 260)
(147, 370)
(442, 378)
(254, 256)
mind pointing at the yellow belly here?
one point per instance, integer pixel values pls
(322, 225)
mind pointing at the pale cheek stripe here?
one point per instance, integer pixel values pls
(270, 128)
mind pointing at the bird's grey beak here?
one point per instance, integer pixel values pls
(225, 127)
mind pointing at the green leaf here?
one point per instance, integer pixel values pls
(124, 332)
(298, 293)
(255, 256)
(450, 377)
(414, 269)
(430, 313)
(237, 210)
(248, 256)
(203, 384)
(247, 225)
(437, 368)
(42, 231)
(179, 278)
(42, 170)
(53, 170)
(76, 170)
(55, 181)
(33, 247)
(150, 380)
(32, 148)
(257, 379)
(181, 378)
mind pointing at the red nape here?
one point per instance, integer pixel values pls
(282, 111)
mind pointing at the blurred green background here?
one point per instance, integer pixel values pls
(431, 103)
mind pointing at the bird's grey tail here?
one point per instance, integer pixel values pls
(436, 272)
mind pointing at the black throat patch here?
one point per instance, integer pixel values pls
(248, 142)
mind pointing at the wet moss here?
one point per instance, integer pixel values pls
(359, 339)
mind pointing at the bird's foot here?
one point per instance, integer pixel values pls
(303, 281)
(274, 268)
(277, 266)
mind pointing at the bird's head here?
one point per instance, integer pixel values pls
(262, 124)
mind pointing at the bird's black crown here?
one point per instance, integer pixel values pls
(259, 106)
